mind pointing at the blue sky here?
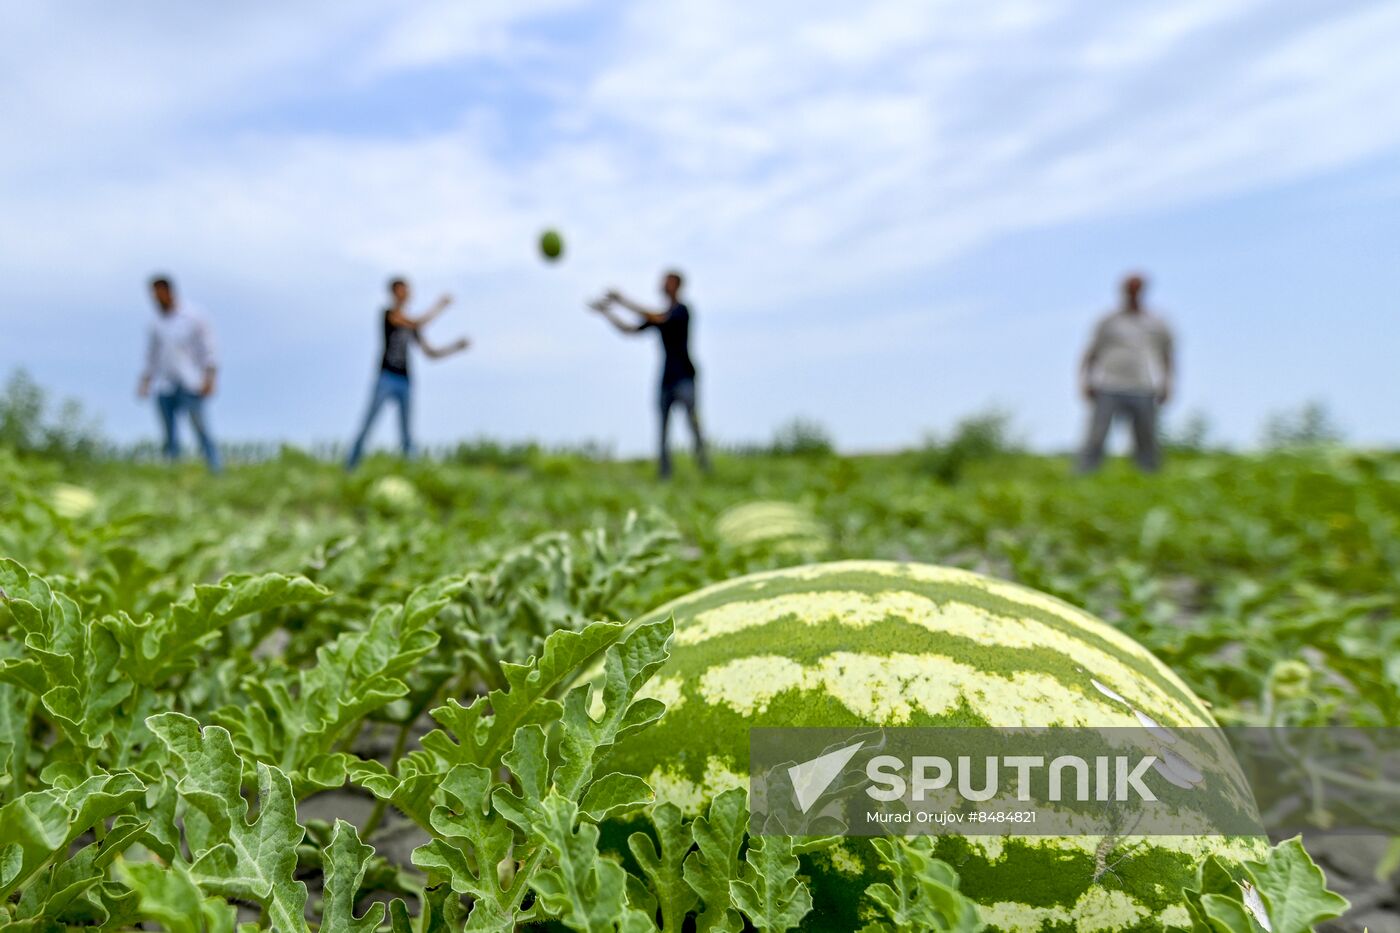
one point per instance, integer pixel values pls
(891, 214)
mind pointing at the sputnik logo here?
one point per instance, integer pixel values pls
(810, 779)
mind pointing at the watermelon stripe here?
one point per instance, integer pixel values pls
(863, 643)
(942, 586)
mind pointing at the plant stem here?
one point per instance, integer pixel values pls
(376, 815)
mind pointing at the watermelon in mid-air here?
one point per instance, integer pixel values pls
(872, 643)
(551, 245)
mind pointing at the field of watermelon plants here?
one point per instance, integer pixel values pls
(287, 698)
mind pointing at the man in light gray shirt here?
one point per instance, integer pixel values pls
(1127, 372)
(181, 367)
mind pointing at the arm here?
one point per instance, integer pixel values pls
(1168, 350)
(646, 314)
(143, 388)
(437, 353)
(604, 308)
(204, 354)
(1086, 368)
(399, 319)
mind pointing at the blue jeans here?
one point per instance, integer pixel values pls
(171, 405)
(681, 392)
(388, 386)
(1140, 410)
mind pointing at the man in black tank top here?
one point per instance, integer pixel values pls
(400, 331)
(677, 369)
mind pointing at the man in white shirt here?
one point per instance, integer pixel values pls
(1127, 372)
(180, 366)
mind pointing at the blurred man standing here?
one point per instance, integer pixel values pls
(677, 369)
(400, 332)
(1127, 372)
(180, 366)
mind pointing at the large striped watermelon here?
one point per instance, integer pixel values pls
(863, 643)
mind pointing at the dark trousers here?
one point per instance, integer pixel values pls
(1140, 410)
(681, 392)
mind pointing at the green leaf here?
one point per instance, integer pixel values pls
(486, 727)
(615, 793)
(664, 869)
(768, 890)
(626, 668)
(1294, 889)
(59, 894)
(233, 857)
(70, 665)
(16, 726)
(586, 891)
(471, 846)
(39, 827)
(154, 649)
(412, 791)
(1225, 914)
(715, 864)
(169, 896)
(923, 894)
(345, 862)
(298, 717)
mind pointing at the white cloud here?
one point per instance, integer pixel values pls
(790, 155)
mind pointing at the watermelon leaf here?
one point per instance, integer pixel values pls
(1293, 888)
(40, 826)
(585, 891)
(484, 729)
(235, 858)
(169, 896)
(1226, 914)
(768, 890)
(708, 870)
(346, 860)
(664, 869)
(924, 892)
(615, 793)
(156, 648)
(470, 847)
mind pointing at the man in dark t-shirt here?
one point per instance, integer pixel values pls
(400, 331)
(677, 369)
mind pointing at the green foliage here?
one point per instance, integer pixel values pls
(975, 439)
(1190, 434)
(30, 422)
(768, 890)
(1287, 893)
(801, 437)
(230, 700)
(923, 893)
(714, 864)
(1310, 425)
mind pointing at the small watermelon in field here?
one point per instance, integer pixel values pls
(780, 526)
(873, 643)
(72, 501)
(394, 494)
